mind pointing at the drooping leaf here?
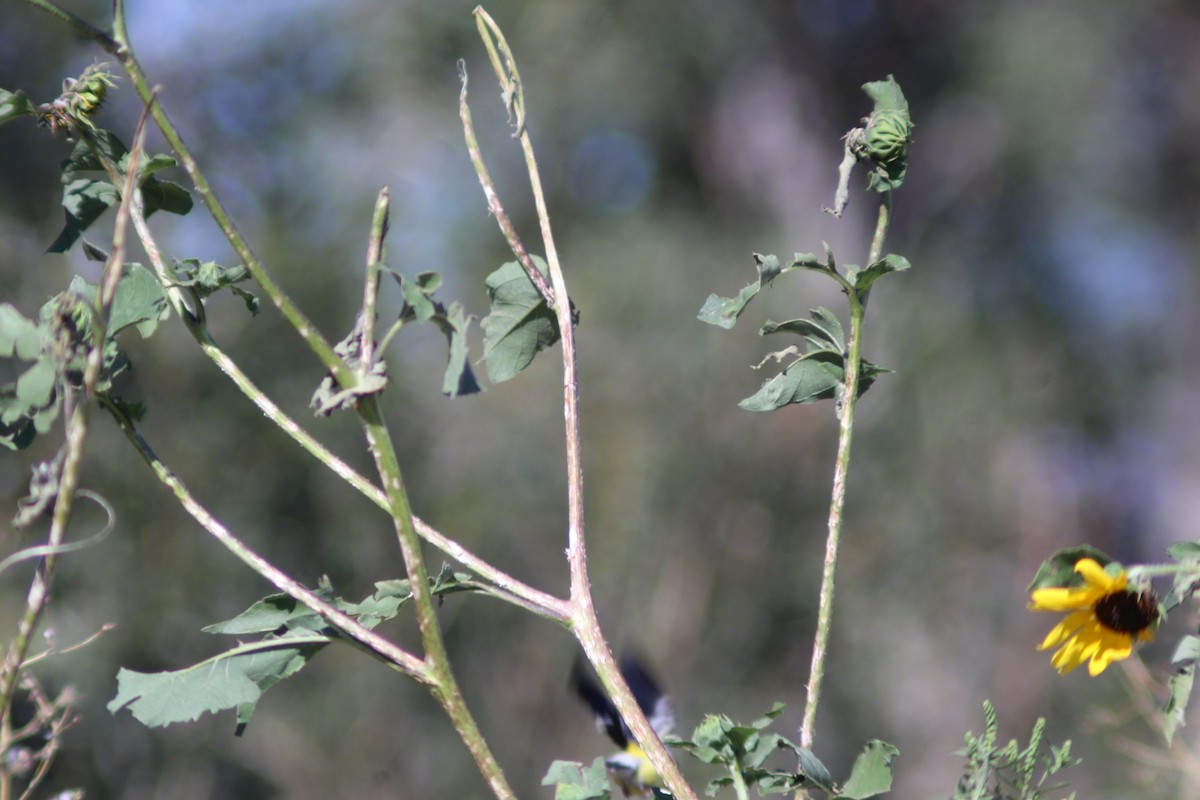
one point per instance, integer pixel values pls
(331, 396)
(1180, 685)
(814, 771)
(1059, 568)
(863, 279)
(165, 196)
(234, 679)
(823, 331)
(520, 324)
(238, 677)
(1186, 583)
(872, 771)
(724, 311)
(86, 197)
(84, 201)
(459, 378)
(805, 381)
(209, 277)
(420, 305)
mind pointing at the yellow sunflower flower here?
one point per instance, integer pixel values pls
(1105, 620)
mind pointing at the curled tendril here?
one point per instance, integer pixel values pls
(43, 550)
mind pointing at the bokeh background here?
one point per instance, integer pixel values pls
(1045, 392)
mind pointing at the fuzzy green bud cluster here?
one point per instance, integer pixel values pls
(81, 98)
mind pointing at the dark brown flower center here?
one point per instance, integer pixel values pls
(1127, 612)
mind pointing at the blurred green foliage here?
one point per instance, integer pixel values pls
(1044, 390)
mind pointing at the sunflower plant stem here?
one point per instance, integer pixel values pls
(379, 441)
(739, 782)
(837, 504)
(320, 346)
(585, 623)
(76, 432)
(443, 684)
(392, 655)
(506, 587)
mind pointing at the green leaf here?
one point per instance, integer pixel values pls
(269, 614)
(724, 311)
(454, 323)
(887, 95)
(209, 277)
(152, 164)
(140, 300)
(14, 105)
(1180, 685)
(766, 719)
(805, 381)
(822, 332)
(418, 294)
(890, 263)
(572, 781)
(238, 677)
(520, 324)
(234, 679)
(710, 741)
(19, 336)
(813, 770)
(459, 378)
(84, 201)
(872, 771)
(165, 196)
(1059, 569)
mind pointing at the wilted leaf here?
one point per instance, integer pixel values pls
(1180, 685)
(330, 395)
(724, 311)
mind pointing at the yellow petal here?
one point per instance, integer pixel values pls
(1095, 575)
(1065, 629)
(1067, 658)
(1056, 598)
(1116, 647)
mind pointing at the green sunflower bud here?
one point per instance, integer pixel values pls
(888, 136)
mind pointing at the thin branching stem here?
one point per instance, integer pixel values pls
(586, 625)
(506, 587)
(320, 346)
(386, 651)
(837, 504)
(493, 200)
(76, 430)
